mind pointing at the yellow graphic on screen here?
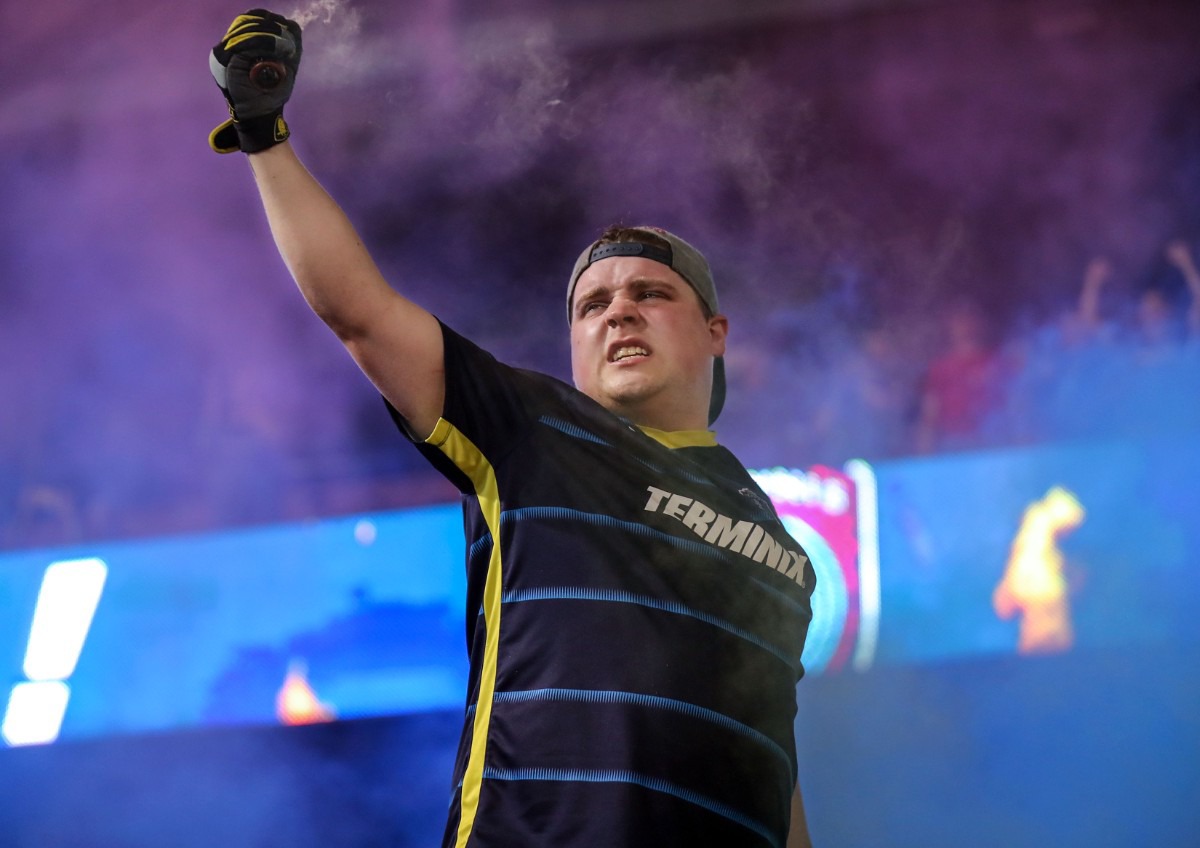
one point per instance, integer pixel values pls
(1034, 585)
(296, 702)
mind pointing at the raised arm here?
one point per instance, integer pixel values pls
(1180, 255)
(1098, 272)
(396, 343)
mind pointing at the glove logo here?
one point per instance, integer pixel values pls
(281, 129)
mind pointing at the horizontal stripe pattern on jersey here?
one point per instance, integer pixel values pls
(638, 614)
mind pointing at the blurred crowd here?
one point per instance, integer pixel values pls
(1121, 361)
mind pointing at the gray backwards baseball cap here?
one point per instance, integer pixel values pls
(681, 258)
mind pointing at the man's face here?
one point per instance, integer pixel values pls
(640, 344)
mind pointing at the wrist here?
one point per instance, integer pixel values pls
(261, 133)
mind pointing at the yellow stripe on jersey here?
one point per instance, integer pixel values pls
(471, 461)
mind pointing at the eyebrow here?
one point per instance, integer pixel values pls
(638, 284)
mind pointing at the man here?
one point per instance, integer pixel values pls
(636, 610)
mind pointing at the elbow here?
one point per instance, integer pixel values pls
(343, 322)
(347, 328)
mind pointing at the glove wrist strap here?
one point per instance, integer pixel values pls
(250, 135)
(255, 134)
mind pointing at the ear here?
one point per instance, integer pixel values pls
(718, 329)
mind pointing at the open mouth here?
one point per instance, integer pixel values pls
(628, 352)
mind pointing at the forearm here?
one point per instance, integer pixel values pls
(1192, 277)
(1095, 276)
(319, 245)
(1089, 307)
(1180, 255)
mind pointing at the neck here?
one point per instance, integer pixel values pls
(668, 420)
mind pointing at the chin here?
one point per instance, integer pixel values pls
(629, 396)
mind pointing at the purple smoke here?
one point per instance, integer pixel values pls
(845, 172)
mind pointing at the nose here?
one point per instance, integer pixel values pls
(621, 310)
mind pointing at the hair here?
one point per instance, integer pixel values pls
(619, 234)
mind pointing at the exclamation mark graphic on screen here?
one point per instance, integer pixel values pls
(65, 606)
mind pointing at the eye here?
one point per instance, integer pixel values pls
(590, 306)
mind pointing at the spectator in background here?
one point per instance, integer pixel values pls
(1085, 325)
(962, 393)
(865, 410)
(1168, 309)
(1087, 376)
(1062, 365)
(1156, 384)
(1180, 256)
(46, 514)
(247, 476)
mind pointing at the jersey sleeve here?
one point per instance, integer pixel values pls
(489, 403)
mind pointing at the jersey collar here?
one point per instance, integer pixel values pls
(682, 438)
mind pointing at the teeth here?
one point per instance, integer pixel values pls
(626, 352)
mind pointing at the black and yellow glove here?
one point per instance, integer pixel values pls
(255, 66)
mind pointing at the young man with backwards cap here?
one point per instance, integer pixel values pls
(637, 611)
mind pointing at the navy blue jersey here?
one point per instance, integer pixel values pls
(636, 614)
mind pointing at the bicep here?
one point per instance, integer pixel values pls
(401, 352)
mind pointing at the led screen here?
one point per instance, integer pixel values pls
(1029, 551)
